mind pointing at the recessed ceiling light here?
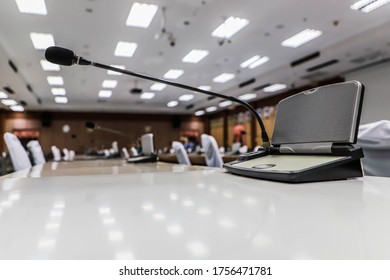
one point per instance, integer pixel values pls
(141, 15)
(186, 97)
(275, 87)
(173, 74)
(367, 6)
(125, 49)
(225, 103)
(147, 95)
(207, 88)
(9, 102)
(17, 108)
(61, 99)
(55, 80)
(3, 95)
(172, 103)
(254, 61)
(48, 66)
(158, 86)
(110, 72)
(223, 78)
(105, 93)
(301, 38)
(42, 41)
(249, 61)
(199, 113)
(247, 96)
(58, 91)
(37, 7)
(109, 83)
(195, 56)
(211, 109)
(258, 62)
(230, 27)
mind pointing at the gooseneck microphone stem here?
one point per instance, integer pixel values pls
(66, 57)
(94, 126)
(231, 98)
(113, 131)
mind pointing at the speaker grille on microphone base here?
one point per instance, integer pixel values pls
(324, 114)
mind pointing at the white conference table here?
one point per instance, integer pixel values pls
(114, 210)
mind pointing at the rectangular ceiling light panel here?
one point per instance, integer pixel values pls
(48, 66)
(36, 7)
(125, 49)
(147, 95)
(223, 78)
(301, 38)
(41, 41)
(173, 74)
(195, 56)
(158, 86)
(367, 6)
(61, 99)
(275, 87)
(141, 15)
(230, 27)
(105, 93)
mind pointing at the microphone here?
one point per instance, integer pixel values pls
(92, 125)
(66, 57)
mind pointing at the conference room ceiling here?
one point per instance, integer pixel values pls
(350, 39)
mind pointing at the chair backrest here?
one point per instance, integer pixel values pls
(236, 147)
(147, 144)
(56, 153)
(72, 155)
(374, 138)
(36, 151)
(134, 152)
(212, 155)
(115, 146)
(18, 154)
(125, 152)
(181, 153)
(66, 154)
(243, 149)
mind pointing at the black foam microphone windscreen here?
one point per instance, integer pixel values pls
(59, 55)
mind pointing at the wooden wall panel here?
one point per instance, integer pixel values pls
(81, 139)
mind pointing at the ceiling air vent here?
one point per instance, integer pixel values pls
(305, 59)
(322, 65)
(246, 83)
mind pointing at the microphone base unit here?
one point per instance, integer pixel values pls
(269, 164)
(142, 159)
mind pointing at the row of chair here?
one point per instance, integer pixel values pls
(212, 154)
(374, 138)
(20, 158)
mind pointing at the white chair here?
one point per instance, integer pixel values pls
(72, 155)
(235, 149)
(374, 138)
(181, 153)
(212, 155)
(56, 153)
(243, 149)
(115, 147)
(134, 152)
(125, 152)
(147, 144)
(66, 154)
(18, 154)
(36, 151)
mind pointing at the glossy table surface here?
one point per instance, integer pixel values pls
(195, 159)
(98, 167)
(164, 211)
